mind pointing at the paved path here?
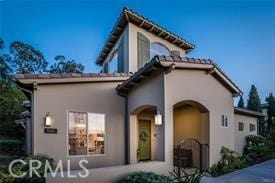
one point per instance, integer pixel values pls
(260, 173)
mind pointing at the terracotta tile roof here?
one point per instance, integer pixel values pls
(158, 59)
(194, 60)
(183, 59)
(127, 15)
(69, 75)
(248, 112)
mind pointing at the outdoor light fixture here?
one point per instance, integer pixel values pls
(158, 118)
(48, 120)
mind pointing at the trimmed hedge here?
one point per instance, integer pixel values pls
(146, 177)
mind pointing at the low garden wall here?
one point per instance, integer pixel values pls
(112, 174)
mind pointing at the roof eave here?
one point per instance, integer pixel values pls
(127, 15)
(247, 112)
(208, 66)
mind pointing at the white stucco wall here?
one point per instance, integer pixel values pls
(240, 135)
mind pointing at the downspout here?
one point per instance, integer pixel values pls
(32, 120)
(126, 128)
(126, 131)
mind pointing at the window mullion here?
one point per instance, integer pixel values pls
(87, 133)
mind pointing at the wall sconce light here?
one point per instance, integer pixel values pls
(158, 118)
(48, 120)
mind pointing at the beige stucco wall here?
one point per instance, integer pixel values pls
(100, 97)
(203, 88)
(189, 122)
(150, 92)
(132, 35)
(240, 135)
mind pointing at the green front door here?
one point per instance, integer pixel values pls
(144, 152)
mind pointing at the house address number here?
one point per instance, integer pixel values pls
(50, 130)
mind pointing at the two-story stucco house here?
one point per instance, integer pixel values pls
(148, 99)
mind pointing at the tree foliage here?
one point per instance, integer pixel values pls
(270, 109)
(26, 59)
(11, 100)
(254, 101)
(5, 70)
(241, 102)
(65, 66)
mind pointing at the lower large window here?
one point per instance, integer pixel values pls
(86, 133)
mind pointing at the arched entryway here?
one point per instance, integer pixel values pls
(146, 143)
(191, 135)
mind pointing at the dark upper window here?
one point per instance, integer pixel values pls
(224, 121)
(241, 126)
(157, 48)
(252, 127)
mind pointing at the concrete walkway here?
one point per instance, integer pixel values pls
(260, 173)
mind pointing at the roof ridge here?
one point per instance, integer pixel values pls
(126, 16)
(185, 59)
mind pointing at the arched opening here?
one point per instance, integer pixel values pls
(145, 135)
(191, 134)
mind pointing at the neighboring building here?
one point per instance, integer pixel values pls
(116, 118)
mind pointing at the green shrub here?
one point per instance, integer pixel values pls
(5, 177)
(146, 177)
(11, 146)
(229, 162)
(256, 149)
(20, 168)
(187, 178)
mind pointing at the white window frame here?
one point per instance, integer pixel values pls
(67, 136)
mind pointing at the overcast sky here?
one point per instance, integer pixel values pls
(238, 36)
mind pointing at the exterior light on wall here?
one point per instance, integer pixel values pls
(48, 120)
(158, 118)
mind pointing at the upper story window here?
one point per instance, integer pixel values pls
(113, 63)
(86, 133)
(116, 61)
(241, 126)
(252, 127)
(224, 121)
(157, 48)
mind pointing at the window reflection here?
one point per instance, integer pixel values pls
(86, 133)
(158, 49)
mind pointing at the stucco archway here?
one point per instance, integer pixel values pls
(191, 132)
(143, 130)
